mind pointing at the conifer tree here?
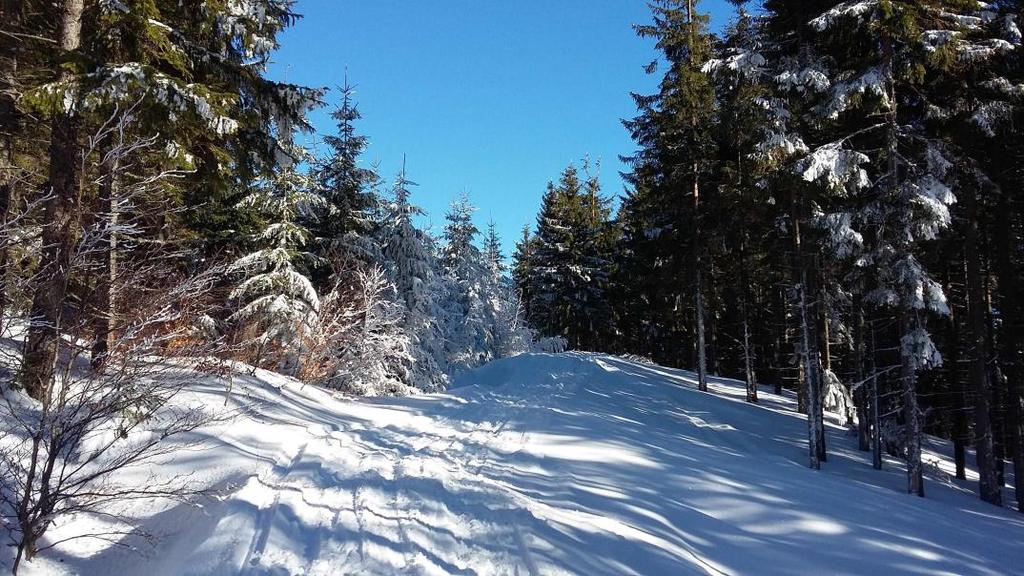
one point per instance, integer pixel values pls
(349, 190)
(277, 303)
(569, 274)
(738, 71)
(413, 269)
(468, 339)
(685, 102)
(492, 250)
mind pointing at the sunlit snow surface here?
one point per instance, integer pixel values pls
(545, 464)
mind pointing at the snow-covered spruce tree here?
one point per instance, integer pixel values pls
(276, 302)
(349, 215)
(413, 269)
(812, 174)
(686, 103)
(469, 339)
(511, 334)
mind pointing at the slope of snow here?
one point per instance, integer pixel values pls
(545, 464)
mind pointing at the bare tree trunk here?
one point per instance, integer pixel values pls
(1011, 341)
(781, 340)
(825, 355)
(911, 411)
(876, 421)
(105, 308)
(805, 274)
(988, 486)
(10, 14)
(748, 363)
(702, 361)
(860, 393)
(960, 431)
(59, 228)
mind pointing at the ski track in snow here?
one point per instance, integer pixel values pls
(550, 464)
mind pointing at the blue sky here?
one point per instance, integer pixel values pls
(485, 97)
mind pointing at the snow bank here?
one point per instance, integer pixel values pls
(546, 464)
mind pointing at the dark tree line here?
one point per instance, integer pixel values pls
(824, 198)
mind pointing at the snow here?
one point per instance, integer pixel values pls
(836, 166)
(854, 9)
(543, 464)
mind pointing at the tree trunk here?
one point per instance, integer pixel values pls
(860, 395)
(988, 486)
(825, 355)
(876, 421)
(10, 14)
(59, 228)
(959, 405)
(702, 362)
(1011, 340)
(748, 363)
(781, 339)
(104, 308)
(806, 316)
(911, 413)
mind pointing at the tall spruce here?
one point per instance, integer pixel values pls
(349, 189)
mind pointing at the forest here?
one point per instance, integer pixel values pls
(824, 198)
(828, 204)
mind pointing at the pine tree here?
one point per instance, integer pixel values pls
(569, 274)
(686, 102)
(522, 271)
(277, 303)
(469, 341)
(351, 202)
(739, 74)
(413, 269)
(492, 250)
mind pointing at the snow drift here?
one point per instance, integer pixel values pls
(544, 464)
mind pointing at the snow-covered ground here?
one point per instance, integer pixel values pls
(545, 464)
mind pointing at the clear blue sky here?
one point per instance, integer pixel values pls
(489, 97)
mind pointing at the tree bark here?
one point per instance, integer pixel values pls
(105, 307)
(959, 405)
(911, 412)
(10, 14)
(988, 486)
(702, 362)
(1011, 340)
(860, 396)
(876, 421)
(59, 228)
(748, 363)
(806, 274)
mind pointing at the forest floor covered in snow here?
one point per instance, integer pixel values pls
(541, 464)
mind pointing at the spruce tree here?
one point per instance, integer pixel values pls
(413, 269)
(569, 273)
(351, 202)
(276, 301)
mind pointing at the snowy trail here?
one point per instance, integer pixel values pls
(552, 464)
